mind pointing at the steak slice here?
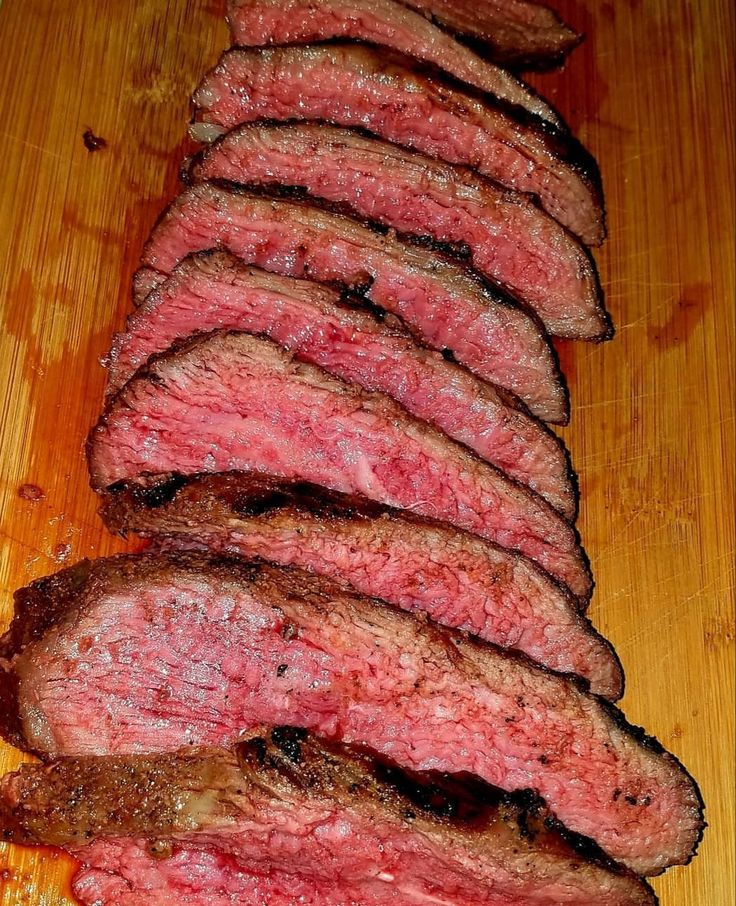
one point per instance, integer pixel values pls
(234, 401)
(135, 654)
(511, 242)
(393, 97)
(285, 804)
(458, 579)
(385, 23)
(217, 291)
(513, 32)
(440, 303)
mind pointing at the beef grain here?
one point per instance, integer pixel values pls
(256, 23)
(511, 242)
(394, 98)
(515, 33)
(332, 819)
(442, 304)
(211, 291)
(234, 401)
(146, 654)
(458, 579)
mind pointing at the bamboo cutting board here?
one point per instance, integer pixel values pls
(651, 92)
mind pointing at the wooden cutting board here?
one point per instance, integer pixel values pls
(652, 93)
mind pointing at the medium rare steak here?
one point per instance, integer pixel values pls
(511, 242)
(214, 291)
(383, 22)
(458, 579)
(285, 804)
(514, 32)
(388, 94)
(234, 401)
(148, 653)
(440, 303)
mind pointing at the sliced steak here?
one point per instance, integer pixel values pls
(234, 401)
(458, 579)
(511, 242)
(217, 291)
(513, 32)
(135, 654)
(440, 303)
(287, 804)
(128, 872)
(255, 23)
(388, 94)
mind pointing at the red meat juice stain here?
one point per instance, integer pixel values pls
(562, 86)
(566, 352)
(684, 317)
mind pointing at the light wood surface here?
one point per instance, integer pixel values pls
(651, 92)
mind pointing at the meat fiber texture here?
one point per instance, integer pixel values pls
(234, 401)
(457, 579)
(390, 96)
(511, 242)
(285, 805)
(442, 304)
(214, 291)
(513, 32)
(382, 22)
(148, 654)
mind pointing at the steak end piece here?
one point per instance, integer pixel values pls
(233, 401)
(151, 653)
(335, 818)
(214, 291)
(515, 33)
(509, 240)
(393, 97)
(458, 579)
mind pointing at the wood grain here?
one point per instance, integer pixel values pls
(652, 93)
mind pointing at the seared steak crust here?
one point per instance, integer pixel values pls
(495, 846)
(459, 580)
(146, 653)
(234, 401)
(443, 305)
(510, 241)
(514, 33)
(393, 97)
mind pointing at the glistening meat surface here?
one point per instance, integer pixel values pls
(456, 578)
(381, 22)
(443, 305)
(350, 85)
(214, 291)
(234, 401)
(149, 653)
(511, 242)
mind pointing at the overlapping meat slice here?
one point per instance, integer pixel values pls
(287, 818)
(424, 567)
(145, 654)
(211, 291)
(514, 32)
(509, 240)
(234, 401)
(443, 305)
(383, 22)
(386, 93)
